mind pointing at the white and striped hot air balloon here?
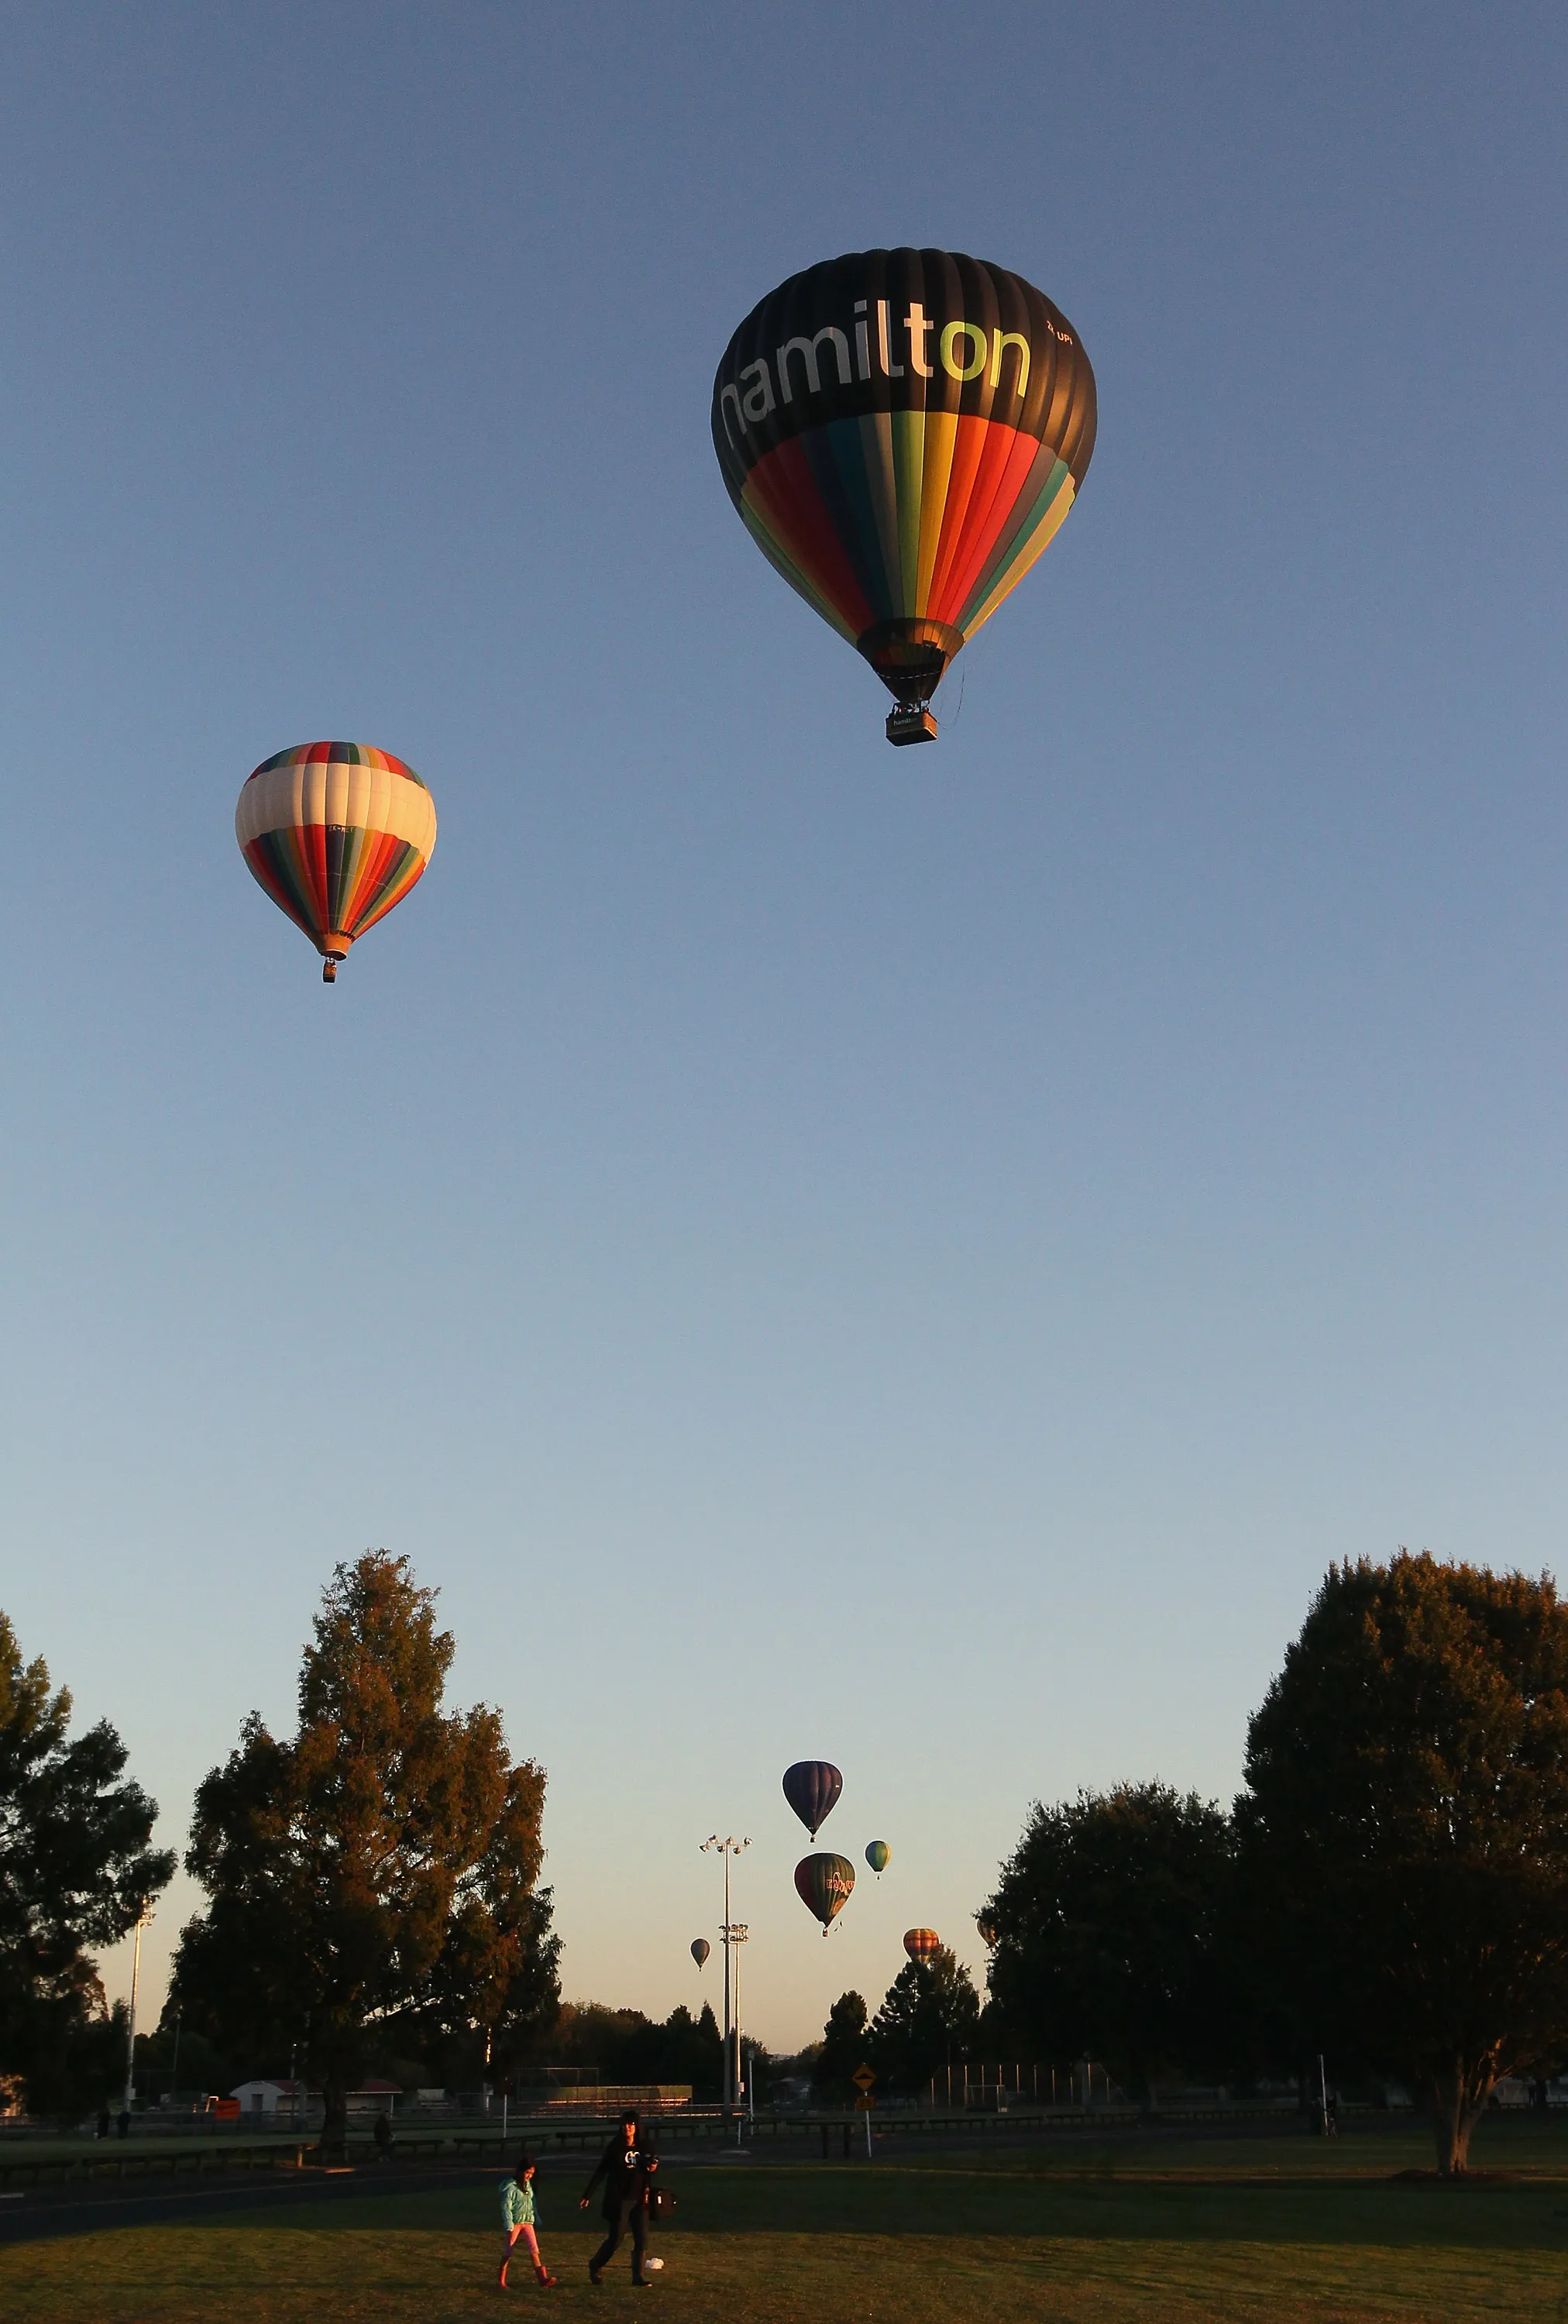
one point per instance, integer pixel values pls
(336, 833)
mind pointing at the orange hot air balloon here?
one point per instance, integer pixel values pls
(921, 1944)
(336, 833)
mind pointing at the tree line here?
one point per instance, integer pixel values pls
(1389, 1888)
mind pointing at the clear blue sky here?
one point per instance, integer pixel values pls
(919, 1259)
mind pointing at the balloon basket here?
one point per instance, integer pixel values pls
(911, 722)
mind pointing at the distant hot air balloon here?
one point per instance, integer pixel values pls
(987, 1929)
(902, 432)
(878, 1854)
(824, 1884)
(336, 833)
(700, 1950)
(812, 1788)
(920, 1944)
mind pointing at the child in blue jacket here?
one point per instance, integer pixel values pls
(519, 2219)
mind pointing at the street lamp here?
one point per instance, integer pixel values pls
(728, 1848)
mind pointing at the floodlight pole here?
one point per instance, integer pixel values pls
(726, 1847)
(738, 1933)
(143, 1917)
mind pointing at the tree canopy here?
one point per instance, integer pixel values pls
(1109, 1922)
(75, 1869)
(926, 2022)
(1404, 1827)
(379, 1869)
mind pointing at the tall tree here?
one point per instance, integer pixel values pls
(928, 2022)
(381, 1865)
(1110, 1920)
(75, 1869)
(1405, 1826)
(844, 2042)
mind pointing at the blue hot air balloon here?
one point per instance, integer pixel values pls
(812, 1788)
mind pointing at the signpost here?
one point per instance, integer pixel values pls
(863, 2078)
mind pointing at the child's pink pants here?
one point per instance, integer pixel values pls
(524, 2236)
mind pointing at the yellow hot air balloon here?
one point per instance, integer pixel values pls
(336, 833)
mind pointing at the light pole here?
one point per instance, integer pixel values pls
(726, 1847)
(143, 1917)
(736, 1932)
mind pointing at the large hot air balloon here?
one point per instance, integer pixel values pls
(700, 1950)
(812, 1788)
(336, 833)
(879, 1856)
(902, 431)
(824, 1884)
(988, 1930)
(920, 1944)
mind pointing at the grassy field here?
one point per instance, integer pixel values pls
(1268, 2229)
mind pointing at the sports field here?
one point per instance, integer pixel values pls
(1275, 2230)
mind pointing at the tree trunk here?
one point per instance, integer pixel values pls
(335, 2128)
(1456, 2098)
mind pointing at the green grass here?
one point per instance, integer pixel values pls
(1268, 2229)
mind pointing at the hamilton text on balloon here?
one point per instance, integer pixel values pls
(963, 350)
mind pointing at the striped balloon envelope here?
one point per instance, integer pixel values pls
(336, 833)
(921, 1944)
(902, 432)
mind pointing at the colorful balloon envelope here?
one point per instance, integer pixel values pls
(879, 1856)
(812, 1787)
(700, 1950)
(987, 1929)
(921, 1944)
(902, 433)
(336, 833)
(824, 1885)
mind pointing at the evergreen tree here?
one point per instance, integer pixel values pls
(844, 2042)
(926, 2022)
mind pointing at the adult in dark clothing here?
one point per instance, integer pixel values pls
(625, 2166)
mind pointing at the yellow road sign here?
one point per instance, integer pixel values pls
(863, 2078)
(864, 2104)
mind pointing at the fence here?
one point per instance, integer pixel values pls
(993, 2090)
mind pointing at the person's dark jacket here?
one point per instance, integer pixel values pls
(623, 2166)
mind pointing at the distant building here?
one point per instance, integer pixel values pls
(265, 2098)
(293, 2101)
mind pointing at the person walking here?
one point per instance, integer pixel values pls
(625, 2166)
(520, 2220)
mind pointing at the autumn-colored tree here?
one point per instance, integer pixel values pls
(1405, 1828)
(383, 1864)
(76, 1869)
(1109, 1919)
(927, 2021)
